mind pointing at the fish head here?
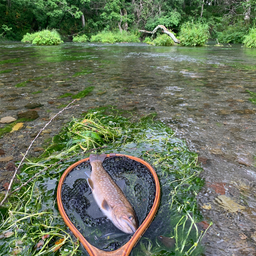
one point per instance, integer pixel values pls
(125, 219)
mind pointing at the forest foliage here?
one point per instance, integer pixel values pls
(229, 21)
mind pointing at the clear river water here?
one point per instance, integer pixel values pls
(201, 93)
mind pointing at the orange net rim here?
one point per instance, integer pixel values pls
(126, 248)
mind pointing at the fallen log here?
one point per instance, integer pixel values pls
(165, 30)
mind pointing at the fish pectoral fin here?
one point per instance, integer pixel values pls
(90, 183)
(121, 184)
(88, 173)
(105, 205)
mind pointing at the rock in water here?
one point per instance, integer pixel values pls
(7, 120)
(32, 115)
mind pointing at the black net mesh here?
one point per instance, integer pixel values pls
(82, 210)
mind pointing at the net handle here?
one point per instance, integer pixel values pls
(126, 248)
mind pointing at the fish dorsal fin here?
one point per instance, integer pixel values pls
(105, 205)
(90, 183)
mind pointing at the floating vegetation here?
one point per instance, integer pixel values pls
(253, 95)
(32, 224)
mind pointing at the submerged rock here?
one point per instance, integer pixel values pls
(33, 105)
(7, 120)
(31, 115)
(6, 159)
(168, 242)
(244, 111)
(244, 159)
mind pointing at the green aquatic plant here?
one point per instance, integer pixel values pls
(5, 71)
(36, 92)
(83, 93)
(22, 84)
(10, 61)
(83, 72)
(65, 95)
(253, 95)
(30, 219)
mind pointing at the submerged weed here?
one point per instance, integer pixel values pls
(65, 95)
(10, 61)
(253, 95)
(22, 84)
(5, 71)
(83, 72)
(31, 217)
(83, 93)
(36, 92)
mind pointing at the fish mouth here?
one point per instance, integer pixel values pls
(131, 226)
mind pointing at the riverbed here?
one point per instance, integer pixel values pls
(201, 93)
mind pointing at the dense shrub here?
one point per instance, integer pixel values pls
(232, 34)
(44, 37)
(250, 39)
(80, 39)
(148, 40)
(194, 34)
(163, 40)
(115, 37)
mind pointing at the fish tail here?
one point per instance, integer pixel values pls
(94, 157)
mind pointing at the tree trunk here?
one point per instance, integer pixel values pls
(83, 21)
(247, 15)
(202, 9)
(125, 26)
(9, 4)
(120, 22)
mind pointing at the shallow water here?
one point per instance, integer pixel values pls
(199, 92)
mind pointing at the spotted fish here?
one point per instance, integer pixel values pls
(110, 197)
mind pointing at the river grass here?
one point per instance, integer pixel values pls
(253, 96)
(31, 223)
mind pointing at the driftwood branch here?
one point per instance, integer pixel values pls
(165, 30)
(22, 160)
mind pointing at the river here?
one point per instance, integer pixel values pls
(201, 93)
